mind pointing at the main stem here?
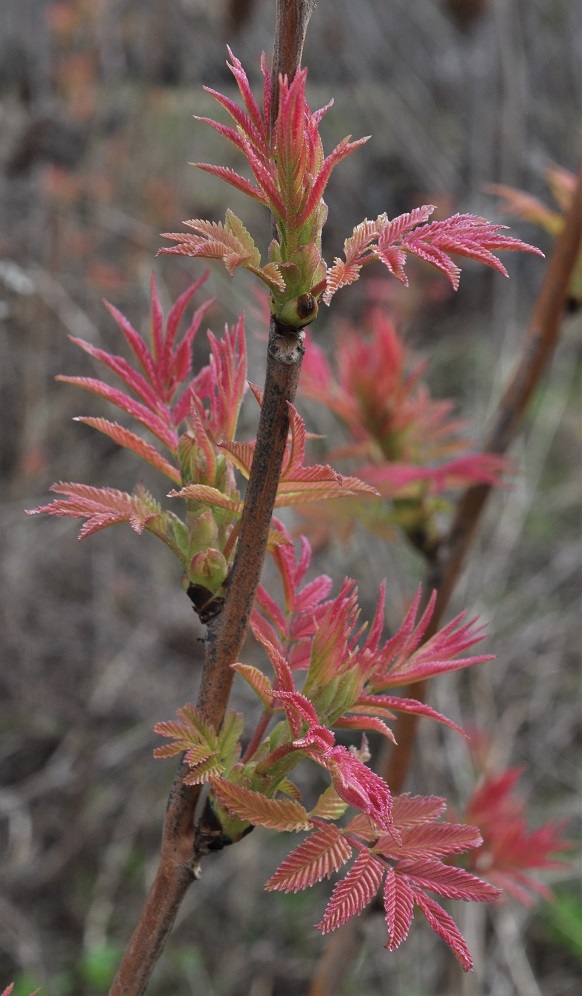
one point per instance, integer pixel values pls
(179, 862)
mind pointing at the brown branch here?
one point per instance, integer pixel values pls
(179, 861)
(290, 29)
(538, 345)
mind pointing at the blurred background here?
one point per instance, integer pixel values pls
(97, 640)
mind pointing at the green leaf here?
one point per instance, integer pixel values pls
(229, 736)
(329, 806)
(235, 226)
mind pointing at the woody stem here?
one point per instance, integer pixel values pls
(179, 863)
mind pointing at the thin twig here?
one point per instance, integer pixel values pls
(179, 862)
(539, 343)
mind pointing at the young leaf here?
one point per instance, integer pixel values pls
(353, 893)
(190, 730)
(508, 850)
(102, 507)
(124, 437)
(319, 856)
(258, 682)
(389, 240)
(329, 806)
(398, 908)
(275, 814)
(140, 412)
(444, 925)
(447, 880)
(411, 810)
(299, 484)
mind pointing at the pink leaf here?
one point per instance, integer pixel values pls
(282, 670)
(464, 235)
(141, 413)
(101, 507)
(176, 313)
(360, 787)
(257, 680)
(136, 343)
(208, 495)
(445, 926)
(435, 840)
(340, 275)
(398, 908)
(411, 810)
(364, 723)
(123, 369)
(240, 183)
(447, 880)
(343, 149)
(375, 704)
(123, 437)
(353, 893)
(400, 662)
(319, 856)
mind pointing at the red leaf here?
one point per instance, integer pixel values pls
(445, 926)
(377, 703)
(447, 880)
(208, 495)
(353, 893)
(508, 848)
(319, 856)
(134, 380)
(398, 907)
(257, 680)
(410, 810)
(364, 723)
(435, 840)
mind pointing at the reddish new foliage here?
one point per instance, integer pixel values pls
(102, 507)
(350, 672)
(346, 680)
(291, 629)
(290, 176)
(405, 862)
(406, 443)
(390, 240)
(508, 849)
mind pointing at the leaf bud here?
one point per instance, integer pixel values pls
(298, 312)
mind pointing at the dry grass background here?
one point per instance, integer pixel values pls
(97, 640)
